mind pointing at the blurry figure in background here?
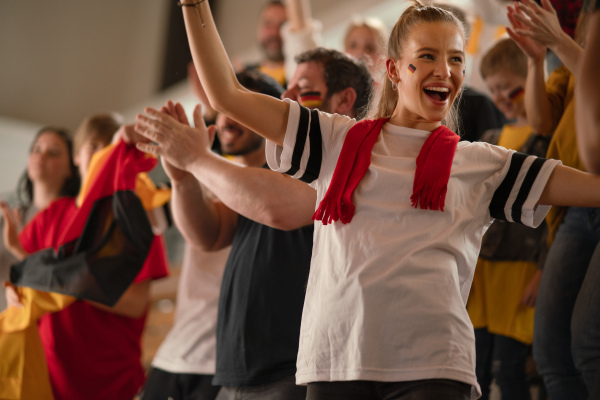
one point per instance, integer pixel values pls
(566, 347)
(272, 16)
(365, 40)
(488, 25)
(50, 174)
(508, 271)
(93, 351)
(184, 365)
(476, 112)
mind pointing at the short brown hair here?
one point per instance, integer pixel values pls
(101, 127)
(504, 56)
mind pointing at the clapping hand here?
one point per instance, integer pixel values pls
(171, 137)
(520, 30)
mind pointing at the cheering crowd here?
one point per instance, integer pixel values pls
(358, 224)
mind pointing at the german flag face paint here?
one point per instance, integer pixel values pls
(411, 69)
(517, 95)
(311, 99)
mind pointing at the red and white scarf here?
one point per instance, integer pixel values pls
(431, 177)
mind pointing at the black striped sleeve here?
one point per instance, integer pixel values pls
(510, 197)
(313, 166)
(308, 127)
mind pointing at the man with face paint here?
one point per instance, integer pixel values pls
(262, 293)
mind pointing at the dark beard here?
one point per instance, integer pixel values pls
(246, 150)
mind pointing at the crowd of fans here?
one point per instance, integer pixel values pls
(372, 223)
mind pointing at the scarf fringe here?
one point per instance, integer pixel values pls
(429, 196)
(331, 211)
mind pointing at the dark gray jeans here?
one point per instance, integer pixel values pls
(429, 389)
(284, 389)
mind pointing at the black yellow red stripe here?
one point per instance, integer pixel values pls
(517, 95)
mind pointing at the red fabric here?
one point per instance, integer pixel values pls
(431, 177)
(356, 153)
(92, 353)
(433, 169)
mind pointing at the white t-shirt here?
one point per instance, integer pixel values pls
(190, 346)
(386, 293)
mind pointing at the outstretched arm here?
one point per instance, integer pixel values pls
(264, 196)
(263, 114)
(570, 187)
(587, 109)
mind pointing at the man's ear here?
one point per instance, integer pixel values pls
(346, 98)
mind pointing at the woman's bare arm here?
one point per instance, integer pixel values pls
(570, 187)
(263, 114)
(587, 109)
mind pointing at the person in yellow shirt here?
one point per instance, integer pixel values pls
(507, 276)
(566, 347)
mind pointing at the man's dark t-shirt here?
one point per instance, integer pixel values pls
(261, 302)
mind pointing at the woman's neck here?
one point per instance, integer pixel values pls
(413, 121)
(43, 195)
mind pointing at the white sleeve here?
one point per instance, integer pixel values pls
(312, 138)
(516, 198)
(295, 43)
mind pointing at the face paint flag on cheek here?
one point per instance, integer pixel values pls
(311, 99)
(517, 95)
(411, 69)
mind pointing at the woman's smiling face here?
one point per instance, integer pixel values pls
(429, 73)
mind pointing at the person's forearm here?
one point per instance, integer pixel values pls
(537, 105)
(570, 187)
(196, 216)
(263, 114)
(587, 101)
(259, 194)
(569, 53)
(299, 13)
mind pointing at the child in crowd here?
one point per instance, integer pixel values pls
(508, 271)
(402, 209)
(566, 337)
(50, 174)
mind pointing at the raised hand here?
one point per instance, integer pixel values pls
(129, 135)
(179, 144)
(541, 22)
(531, 47)
(12, 227)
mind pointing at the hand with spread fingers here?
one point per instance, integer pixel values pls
(12, 227)
(519, 32)
(539, 23)
(179, 144)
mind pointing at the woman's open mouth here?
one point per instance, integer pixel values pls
(437, 93)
